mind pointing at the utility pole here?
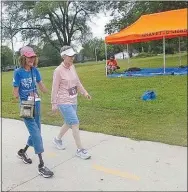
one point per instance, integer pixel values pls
(96, 54)
(13, 58)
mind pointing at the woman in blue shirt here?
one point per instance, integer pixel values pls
(24, 82)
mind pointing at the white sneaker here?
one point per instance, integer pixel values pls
(83, 154)
(58, 143)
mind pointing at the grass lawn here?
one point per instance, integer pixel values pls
(116, 107)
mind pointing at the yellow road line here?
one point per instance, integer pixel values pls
(51, 154)
(116, 172)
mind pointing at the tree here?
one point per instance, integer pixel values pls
(119, 11)
(49, 56)
(9, 26)
(6, 57)
(93, 49)
(65, 21)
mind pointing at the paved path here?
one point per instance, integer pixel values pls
(117, 163)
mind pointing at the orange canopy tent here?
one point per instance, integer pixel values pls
(168, 24)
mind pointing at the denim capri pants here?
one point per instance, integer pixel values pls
(34, 128)
(69, 112)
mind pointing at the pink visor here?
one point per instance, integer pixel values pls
(27, 51)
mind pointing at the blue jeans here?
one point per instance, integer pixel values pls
(34, 127)
(69, 113)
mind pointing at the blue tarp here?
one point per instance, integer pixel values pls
(144, 72)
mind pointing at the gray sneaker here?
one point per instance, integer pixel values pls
(58, 143)
(83, 154)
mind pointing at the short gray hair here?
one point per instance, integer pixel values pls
(64, 48)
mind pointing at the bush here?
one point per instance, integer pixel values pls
(169, 50)
(144, 54)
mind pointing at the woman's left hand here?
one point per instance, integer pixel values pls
(87, 96)
(42, 87)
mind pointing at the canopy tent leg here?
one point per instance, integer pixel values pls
(179, 53)
(164, 60)
(128, 56)
(106, 58)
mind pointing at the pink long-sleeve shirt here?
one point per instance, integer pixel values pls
(66, 84)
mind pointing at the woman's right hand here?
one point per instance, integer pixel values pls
(54, 108)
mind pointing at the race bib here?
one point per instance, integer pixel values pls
(72, 92)
(31, 97)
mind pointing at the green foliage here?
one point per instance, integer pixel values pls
(6, 57)
(92, 48)
(96, 47)
(64, 21)
(49, 56)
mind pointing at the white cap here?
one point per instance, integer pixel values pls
(69, 52)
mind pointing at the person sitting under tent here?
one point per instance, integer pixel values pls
(112, 65)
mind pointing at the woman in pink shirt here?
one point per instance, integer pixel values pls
(65, 88)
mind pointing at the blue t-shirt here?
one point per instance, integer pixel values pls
(23, 80)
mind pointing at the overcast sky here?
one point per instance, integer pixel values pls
(97, 27)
